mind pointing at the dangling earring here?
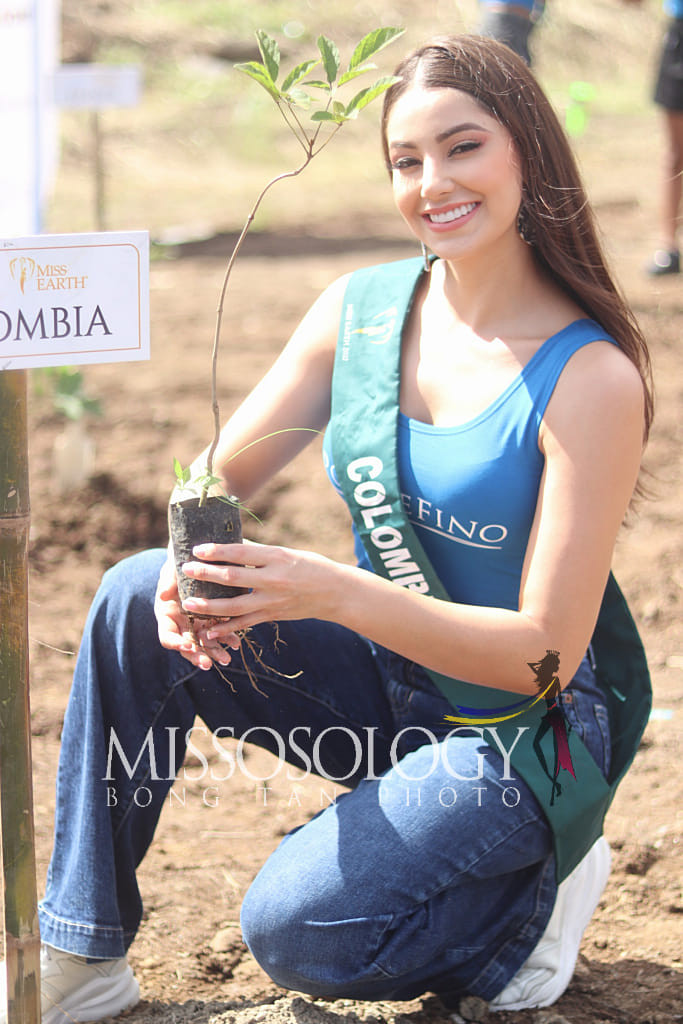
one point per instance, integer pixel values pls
(525, 228)
(425, 257)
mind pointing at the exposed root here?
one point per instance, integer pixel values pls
(255, 650)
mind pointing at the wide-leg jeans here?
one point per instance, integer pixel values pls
(435, 872)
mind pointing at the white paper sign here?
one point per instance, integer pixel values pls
(28, 122)
(67, 300)
(97, 86)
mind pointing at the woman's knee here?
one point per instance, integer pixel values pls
(133, 576)
(295, 927)
(121, 631)
(126, 593)
(274, 928)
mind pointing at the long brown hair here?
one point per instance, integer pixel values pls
(559, 222)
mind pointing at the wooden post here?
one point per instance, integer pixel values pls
(22, 937)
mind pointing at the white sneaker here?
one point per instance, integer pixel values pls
(545, 975)
(75, 989)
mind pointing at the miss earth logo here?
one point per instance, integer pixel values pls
(22, 268)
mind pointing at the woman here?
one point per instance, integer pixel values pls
(477, 422)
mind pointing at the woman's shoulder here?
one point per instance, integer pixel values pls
(374, 277)
(599, 351)
(399, 274)
(597, 365)
(599, 380)
(326, 310)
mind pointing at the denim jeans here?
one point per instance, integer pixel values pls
(433, 873)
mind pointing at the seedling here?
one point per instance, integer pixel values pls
(314, 112)
(199, 484)
(310, 108)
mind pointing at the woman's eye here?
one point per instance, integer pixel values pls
(403, 163)
(464, 147)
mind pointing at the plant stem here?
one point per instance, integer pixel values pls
(219, 312)
(296, 128)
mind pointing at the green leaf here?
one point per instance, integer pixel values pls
(318, 85)
(261, 75)
(348, 76)
(366, 96)
(299, 98)
(68, 381)
(270, 52)
(92, 405)
(297, 73)
(181, 475)
(211, 480)
(327, 115)
(372, 43)
(330, 56)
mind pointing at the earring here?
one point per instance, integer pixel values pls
(425, 257)
(525, 228)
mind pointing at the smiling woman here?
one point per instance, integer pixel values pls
(484, 418)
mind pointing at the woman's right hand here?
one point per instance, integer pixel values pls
(175, 633)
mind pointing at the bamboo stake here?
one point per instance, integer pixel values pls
(22, 937)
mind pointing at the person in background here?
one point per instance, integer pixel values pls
(511, 23)
(669, 96)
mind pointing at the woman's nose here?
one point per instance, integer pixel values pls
(435, 178)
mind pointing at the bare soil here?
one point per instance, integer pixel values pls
(189, 955)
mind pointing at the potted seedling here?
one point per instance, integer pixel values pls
(313, 109)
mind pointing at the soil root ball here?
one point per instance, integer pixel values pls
(216, 522)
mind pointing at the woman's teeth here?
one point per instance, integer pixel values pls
(449, 215)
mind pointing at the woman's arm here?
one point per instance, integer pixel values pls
(592, 441)
(287, 407)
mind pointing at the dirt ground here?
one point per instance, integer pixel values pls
(191, 962)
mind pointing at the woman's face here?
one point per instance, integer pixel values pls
(455, 172)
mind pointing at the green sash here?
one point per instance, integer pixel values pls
(365, 402)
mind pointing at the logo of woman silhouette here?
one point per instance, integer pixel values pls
(554, 718)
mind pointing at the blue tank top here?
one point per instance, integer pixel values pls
(470, 491)
(674, 8)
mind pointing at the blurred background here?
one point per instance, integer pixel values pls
(186, 160)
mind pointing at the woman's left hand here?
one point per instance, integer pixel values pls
(281, 583)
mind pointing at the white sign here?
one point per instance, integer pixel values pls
(29, 37)
(96, 86)
(72, 299)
